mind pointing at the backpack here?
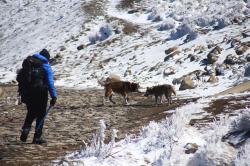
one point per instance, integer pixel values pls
(31, 76)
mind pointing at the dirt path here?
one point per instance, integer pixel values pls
(74, 118)
(237, 89)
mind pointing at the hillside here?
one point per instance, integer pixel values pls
(200, 47)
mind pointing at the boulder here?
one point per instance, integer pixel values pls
(248, 57)
(169, 71)
(170, 50)
(187, 83)
(171, 55)
(212, 58)
(191, 148)
(213, 79)
(234, 59)
(80, 47)
(247, 71)
(241, 50)
(213, 54)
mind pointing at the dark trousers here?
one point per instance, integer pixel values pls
(36, 107)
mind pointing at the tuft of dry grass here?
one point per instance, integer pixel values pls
(125, 4)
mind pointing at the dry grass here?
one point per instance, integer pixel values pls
(125, 4)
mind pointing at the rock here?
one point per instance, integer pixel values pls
(213, 54)
(200, 48)
(217, 50)
(80, 47)
(171, 55)
(191, 148)
(128, 72)
(187, 83)
(133, 11)
(213, 79)
(193, 57)
(170, 50)
(62, 48)
(212, 58)
(177, 81)
(168, 71)
(235, 42)
(247, 71)
(248, 57)
(246, 43)
(241, 50)
(233, 59)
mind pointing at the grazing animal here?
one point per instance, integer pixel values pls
(121, 87)
(159, 90)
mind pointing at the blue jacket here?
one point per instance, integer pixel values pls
(49, 73)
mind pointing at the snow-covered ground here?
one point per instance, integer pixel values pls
(133, 46)
(165, 143)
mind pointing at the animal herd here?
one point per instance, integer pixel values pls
(125, 87)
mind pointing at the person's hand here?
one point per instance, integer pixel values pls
(53, 101)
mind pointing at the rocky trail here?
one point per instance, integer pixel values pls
(74, 118)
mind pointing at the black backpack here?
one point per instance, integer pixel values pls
(31, 76)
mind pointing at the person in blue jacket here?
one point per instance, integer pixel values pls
(37, 97)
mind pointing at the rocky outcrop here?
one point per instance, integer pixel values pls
(213, 54)
(234, 59)
(247, 71)
(241, 50)
(213, 79)
(171, 52)
(191, 148)
(187, 83)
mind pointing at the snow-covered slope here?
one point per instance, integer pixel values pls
(91, 39)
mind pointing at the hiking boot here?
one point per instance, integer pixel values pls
(24, 135)
(39, 141)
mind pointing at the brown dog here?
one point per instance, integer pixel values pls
(121, 87)
(159, 90)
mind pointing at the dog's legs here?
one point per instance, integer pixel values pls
(156, 99)
(110, 99)
(125, 96)
(161, 99)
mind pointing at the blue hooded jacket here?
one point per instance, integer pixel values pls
(49, 73)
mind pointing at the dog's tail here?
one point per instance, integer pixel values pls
(173, 90)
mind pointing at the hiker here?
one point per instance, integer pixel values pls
(35, 79)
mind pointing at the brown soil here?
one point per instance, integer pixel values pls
(74, 118)
(222, 106)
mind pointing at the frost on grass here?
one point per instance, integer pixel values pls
(243, 157)
(97, 147)
(215, 152)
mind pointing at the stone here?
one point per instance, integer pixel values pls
(80, 47)
(247, 71)
(191, 148)
(187, 83)
(248, 57)
(241, 50)
(170, 50)
(213, 79)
